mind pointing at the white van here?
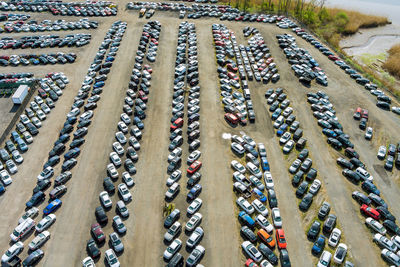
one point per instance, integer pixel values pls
(247, 95)
(364, 174)
(22, 229)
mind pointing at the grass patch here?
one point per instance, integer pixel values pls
(392, 63)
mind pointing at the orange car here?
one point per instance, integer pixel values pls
(266, 238)
(280, 239)
(250, 263)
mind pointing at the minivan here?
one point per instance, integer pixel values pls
(176, 261)
(22, 229)
(297, 134)
(364, 174)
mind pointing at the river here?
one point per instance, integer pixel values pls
(388, 8)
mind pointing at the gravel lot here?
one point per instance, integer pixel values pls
(143, 241)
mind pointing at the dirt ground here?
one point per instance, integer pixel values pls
(143, 241)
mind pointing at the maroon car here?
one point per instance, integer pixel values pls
(98, 233)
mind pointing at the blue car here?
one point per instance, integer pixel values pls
(138, 122)
(110, 59)
(318, 245)
(2, 189)
(53, 206)
(22, 145)
(98, 84)
(14, 136)
(195, 191)
(244, 218)
(329, 133)
(259, 195)
(264, 164)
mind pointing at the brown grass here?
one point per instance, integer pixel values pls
(392, 64)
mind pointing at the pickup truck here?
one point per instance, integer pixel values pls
(241, 189)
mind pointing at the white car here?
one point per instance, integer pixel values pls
(134, 142)
(173, 231)
(194, 206)
(195, 155)
(276, 217)
(340, 254)
(172, 190)
(368, 133)
(245, 205)
(38, 100)
(375, 225)
(172, 249)
(11, 166)
(14, 250)
(287, 111)
(136, 132)
(295, 166)
(111, 258)
(315, 186)
(287, 148)
(24, 119)
(264, 223)
(5, 177)
(36, 122)
(17, 157)
(194, 221)
(39, 240)
(177, 152)
(127, 178)
(195, 237)
(174, 177)
(87, 115)
(384, 242)
(125, 118)
(118, 148)
(238, 167)
(45, 223)
(115, 159)
(248, 140)
(124, 192)
(285, 138)
(334, 238)
(88, 262)
(265, 263)
(396, 240)
(269, 183)
(325, 259)
(28, 137)
(112, 171)
(252, 251)
(46, 174)
(105, 199)
(253, 169)
(73, 113)
(260, 207)
(381, 152)
(45, 108)
(123, 210)
(122, 127)
(31, 213)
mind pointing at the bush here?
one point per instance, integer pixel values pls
(392, 64)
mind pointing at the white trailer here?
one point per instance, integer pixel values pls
(19, 95)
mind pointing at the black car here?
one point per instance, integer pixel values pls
(324, 210)
(108, 185)
(174, 164)
(33, 258)
(391, 226)
(344, 163)
(272, 200)
(57, 150)
(303, 154)
(357, 163)
(80, 132)
(69, 164)
(385, 213)
(334, 143)
(351, 175)
(297, 178)
(383, 105)
(311, 175)
(194, 179)
(175, 214)
(76, 143)
(72, 153)
(329, 224)
(314, 230)
(306, 202)
(92, 248)
(62, 139)
(42, 185)
(101, 215)
(284, 258)
(363, 124)
(302, 189)
(377, 200)
(360, 198)
(84, 123)
(32, 128)
(66, 129)
(268, 254)
(52, 161)
(248, 234)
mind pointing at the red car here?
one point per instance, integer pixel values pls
(233, 76)
(280, 239)
(194, 167)
(232, 68)
(42, 93)
(367, 210)
(364, 114)
(143, 96)
(178, 123)
(250, 263)
(333, 58)
(231, 118)
(98, 233)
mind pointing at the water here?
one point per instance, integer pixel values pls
(388, 8)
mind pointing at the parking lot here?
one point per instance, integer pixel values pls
(144, 238)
